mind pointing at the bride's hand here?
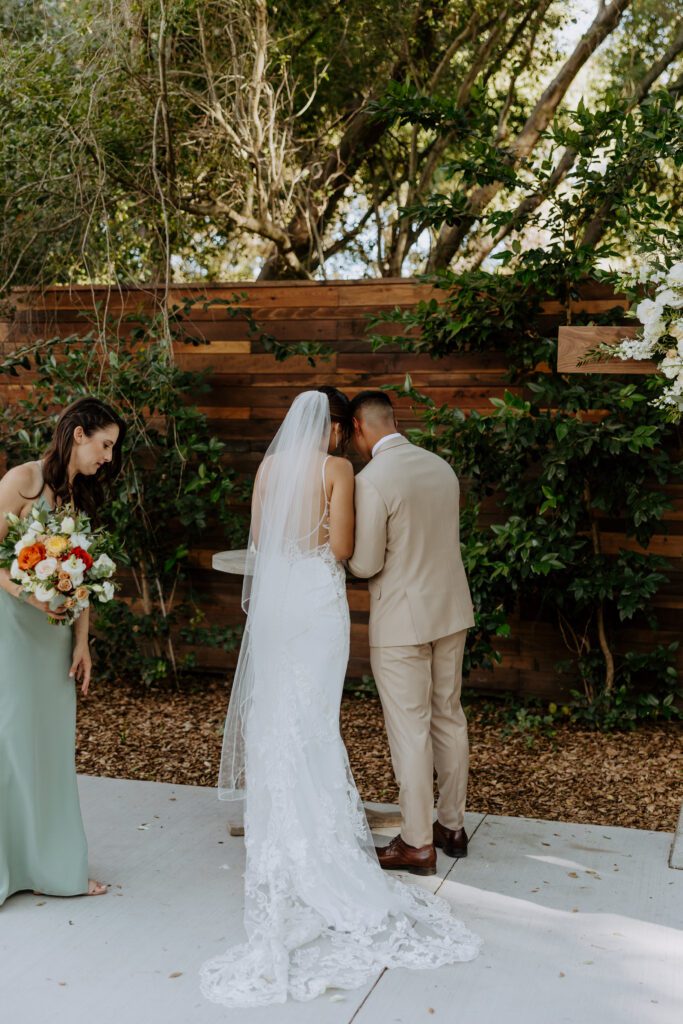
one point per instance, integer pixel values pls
(81, 667)
(44, 607)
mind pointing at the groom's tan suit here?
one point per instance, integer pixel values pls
(408, 546)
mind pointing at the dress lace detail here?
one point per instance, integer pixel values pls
(319, 911)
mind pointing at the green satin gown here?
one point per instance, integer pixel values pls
(42, 842)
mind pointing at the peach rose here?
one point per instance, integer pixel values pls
(30, 556)
(69, 603)
(64, 584)
(81, 594)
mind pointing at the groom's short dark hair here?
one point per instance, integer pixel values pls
(376, 400)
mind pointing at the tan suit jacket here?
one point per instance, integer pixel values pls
(408, 546)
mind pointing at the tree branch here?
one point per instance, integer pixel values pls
(531, 202)
(451, 237)
(597, 226)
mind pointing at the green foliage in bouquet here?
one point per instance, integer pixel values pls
(560, 457)
(174, 489)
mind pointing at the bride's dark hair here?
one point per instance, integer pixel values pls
(339, 412)
(87, 492)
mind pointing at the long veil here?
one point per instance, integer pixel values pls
(286, 517)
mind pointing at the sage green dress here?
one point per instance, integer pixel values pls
(42, 842)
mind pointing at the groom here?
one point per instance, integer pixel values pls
(408, 547)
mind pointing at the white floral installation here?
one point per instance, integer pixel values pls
(661, 338)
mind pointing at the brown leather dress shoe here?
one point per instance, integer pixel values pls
(453, 841)
(398, 856)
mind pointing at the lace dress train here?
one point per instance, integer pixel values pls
(319, 911)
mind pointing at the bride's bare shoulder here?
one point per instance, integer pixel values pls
(339, 467)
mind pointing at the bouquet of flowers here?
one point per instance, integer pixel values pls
(661, 338)
(55, 554)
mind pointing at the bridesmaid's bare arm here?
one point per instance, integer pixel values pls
(14, 486)
(81, 663)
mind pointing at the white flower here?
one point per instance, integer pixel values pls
(35, 530)
(653, 331)
(669, 297)
(68, 525)
(102, 566)
(46, 568)
(16, 573)
(73, 566)
(81, 540)
(676, 330)
(635, 348)
(36, 512)
(107, 592)
(672, 365)
(25, 542)
(648, 310)
(45, 593)
(675, 276)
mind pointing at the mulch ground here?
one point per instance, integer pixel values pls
(632, 779)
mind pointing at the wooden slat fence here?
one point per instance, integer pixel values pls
(250, 392)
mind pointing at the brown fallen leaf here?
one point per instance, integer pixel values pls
(175, 974)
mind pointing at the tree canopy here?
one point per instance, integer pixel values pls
(153, 139)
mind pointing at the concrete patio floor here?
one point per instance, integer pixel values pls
(582, 925)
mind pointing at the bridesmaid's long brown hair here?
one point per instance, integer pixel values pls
(88, 493)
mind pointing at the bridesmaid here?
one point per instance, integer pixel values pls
(42, 842)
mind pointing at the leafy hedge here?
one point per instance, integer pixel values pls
(560, 456)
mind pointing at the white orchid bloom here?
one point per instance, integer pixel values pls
(74, 567)
(81, 540)
(103, 566)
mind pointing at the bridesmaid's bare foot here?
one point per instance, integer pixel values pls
(94, 889)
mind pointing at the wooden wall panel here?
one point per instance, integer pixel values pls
(250, 392)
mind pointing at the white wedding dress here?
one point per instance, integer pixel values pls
(319, 911)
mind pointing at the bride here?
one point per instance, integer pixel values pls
(319, 911)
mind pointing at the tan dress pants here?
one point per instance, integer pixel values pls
(420, 688)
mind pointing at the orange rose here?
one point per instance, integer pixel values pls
(30, 556)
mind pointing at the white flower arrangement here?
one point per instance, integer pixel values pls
(661, 339)
(54, 555)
